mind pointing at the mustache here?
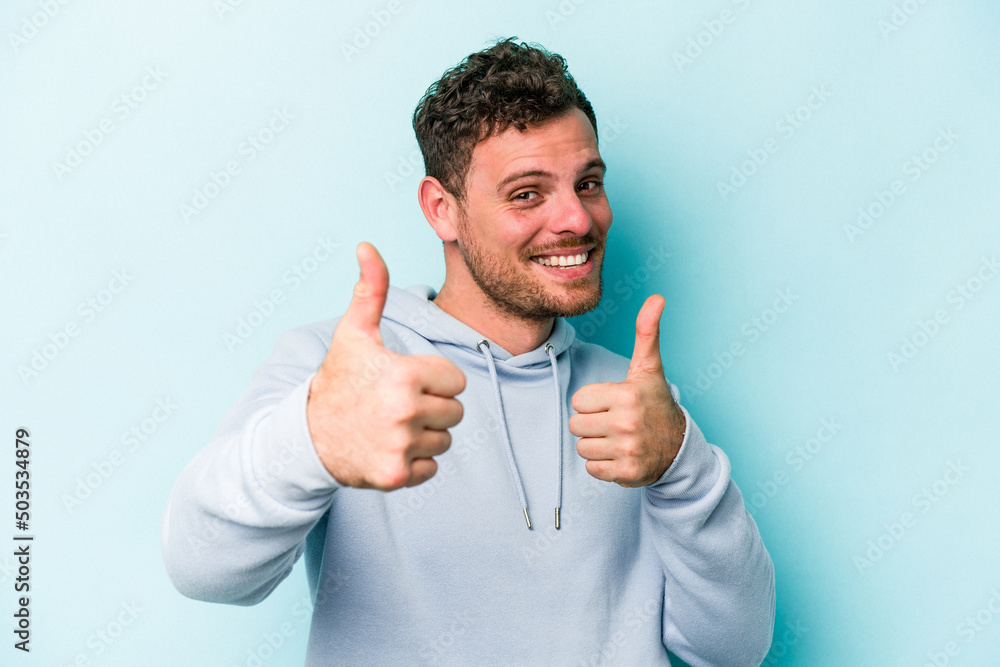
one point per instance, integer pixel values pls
(589, 239)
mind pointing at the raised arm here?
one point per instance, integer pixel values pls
(314, 419)
(240, 511)
(719, 599)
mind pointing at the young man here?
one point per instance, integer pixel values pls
(470, 484)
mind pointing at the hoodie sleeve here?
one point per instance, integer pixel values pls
(240, 511)
(719, 600)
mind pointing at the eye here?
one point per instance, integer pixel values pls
(523, 196)
(594, 183)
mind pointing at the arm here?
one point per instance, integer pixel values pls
(240, 511)
(719, 594)
(719, 600)
(315, 418)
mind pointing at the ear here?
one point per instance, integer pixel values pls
(439, 207)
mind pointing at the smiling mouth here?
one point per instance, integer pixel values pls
(562, 261)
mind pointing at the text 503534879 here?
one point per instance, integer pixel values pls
(22, 542)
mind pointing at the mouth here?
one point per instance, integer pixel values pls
(562, 261)
(569, 264)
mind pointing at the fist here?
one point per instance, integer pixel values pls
(630, 431)
(378, 418)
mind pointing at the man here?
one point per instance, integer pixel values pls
(470, 484)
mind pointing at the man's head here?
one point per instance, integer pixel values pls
(514, 176)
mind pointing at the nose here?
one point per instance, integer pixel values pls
(573, 217)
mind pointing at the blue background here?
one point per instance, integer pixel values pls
(685, 94)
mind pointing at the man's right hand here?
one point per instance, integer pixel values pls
(376, 417)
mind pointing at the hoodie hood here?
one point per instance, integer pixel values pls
(414, 309)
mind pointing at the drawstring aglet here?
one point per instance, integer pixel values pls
(557, 518)
(527, 518)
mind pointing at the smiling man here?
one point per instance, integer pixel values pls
(525, 243)
(410, 447)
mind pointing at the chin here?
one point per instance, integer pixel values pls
(578, 303)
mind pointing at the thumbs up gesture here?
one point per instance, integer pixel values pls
(630, 431)
(381, 431)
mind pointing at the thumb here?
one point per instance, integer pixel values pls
(646, 353)
(365, 310)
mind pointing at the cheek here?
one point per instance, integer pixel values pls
(600, 213)
(514, 236)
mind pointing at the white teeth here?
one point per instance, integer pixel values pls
(563, 260)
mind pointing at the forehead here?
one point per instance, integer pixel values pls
(564, 144)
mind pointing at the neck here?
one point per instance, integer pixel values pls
(470, 306)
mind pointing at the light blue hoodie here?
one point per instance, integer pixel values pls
(448, 573)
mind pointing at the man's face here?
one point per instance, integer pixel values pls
(535, 199)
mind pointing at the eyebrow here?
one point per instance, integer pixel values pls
(596, 162)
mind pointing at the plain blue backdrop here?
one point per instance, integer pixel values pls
(812, 186)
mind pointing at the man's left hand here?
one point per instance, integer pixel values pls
(631, 431)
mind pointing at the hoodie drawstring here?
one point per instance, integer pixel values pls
(549, 349)
(484, 347)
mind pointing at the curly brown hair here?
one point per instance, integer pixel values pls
(506, 84)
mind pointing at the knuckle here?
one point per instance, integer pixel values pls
(457, 377)
(458, 412)
(409, 408)
(627, 450)
(628, 397)
(599, 471)
(403, 372)
(627, 424)
(391, 476)
(398, 441)
(409, 374)
(444, 441)
(427, 471)
(401, 408)
(631, 473)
